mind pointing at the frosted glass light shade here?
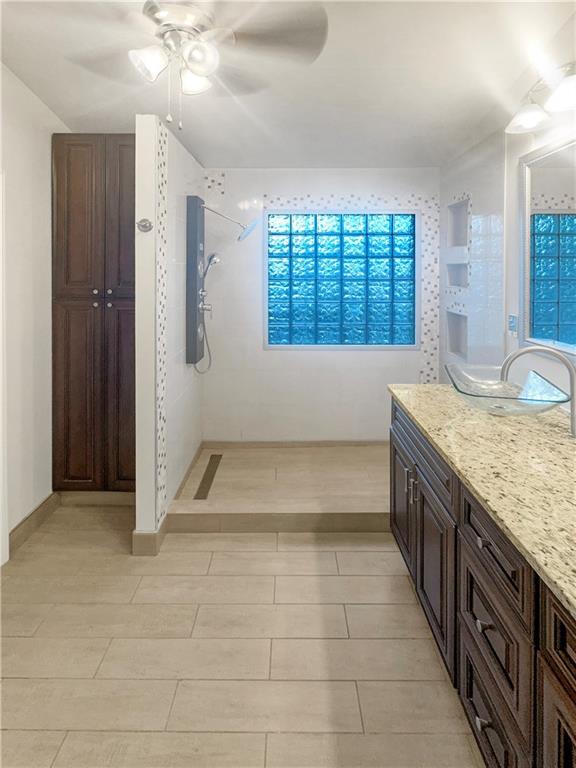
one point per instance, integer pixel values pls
(150, 61)
(192, 84)
(201, 58)
(563, 97)
(529, 118)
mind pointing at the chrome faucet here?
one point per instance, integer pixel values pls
(552, 353)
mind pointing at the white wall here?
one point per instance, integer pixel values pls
(183, 384)
(477, 177)
(27, 127)
(312, 394)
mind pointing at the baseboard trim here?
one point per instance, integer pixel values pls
(97, 498)
(189, 470)
(149, 542)
(32, 522)
(216, 444)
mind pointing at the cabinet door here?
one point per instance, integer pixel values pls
(120, 395)
(77, 396)
(78, 191)
(435, 566)
(402, 520)
(120, 216)
(557, 722)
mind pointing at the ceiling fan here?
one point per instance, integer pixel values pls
(224, 43)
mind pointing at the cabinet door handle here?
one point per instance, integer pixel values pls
(411, 490)
(406, 476)
(482, 626)
(482, 543)
(95, 304)
(481, 724)
(109, 304)
(415, 493)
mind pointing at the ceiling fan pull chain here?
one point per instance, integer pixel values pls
(180, 123)
(169, 118)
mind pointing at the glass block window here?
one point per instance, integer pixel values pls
(553, 277)
(341, 279)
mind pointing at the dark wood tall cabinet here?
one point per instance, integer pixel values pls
(93, 312)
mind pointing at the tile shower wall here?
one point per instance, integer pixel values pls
(169, 392)
(477, 177)
(253, 393)
(183, 384)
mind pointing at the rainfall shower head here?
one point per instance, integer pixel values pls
(247, 229)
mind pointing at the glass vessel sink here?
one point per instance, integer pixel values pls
(482, 388)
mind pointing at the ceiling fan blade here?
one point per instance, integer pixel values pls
(232, 81)
(112, 64)
(296, 31)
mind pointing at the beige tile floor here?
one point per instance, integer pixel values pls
(226, 651)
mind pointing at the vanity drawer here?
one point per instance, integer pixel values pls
(430, 464)
(495, 732)
(558, 637)
(510, 573)
(500, 638)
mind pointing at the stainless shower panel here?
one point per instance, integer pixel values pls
(194, 278)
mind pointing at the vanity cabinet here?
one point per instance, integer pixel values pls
(507, 642)
(425, 529)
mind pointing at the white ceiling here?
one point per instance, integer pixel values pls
(397, 84)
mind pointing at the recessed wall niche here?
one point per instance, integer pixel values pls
(457, 275)
(458, 224)
(457, 334)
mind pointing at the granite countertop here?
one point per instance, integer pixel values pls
(521, 468)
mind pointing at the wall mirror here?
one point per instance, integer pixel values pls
(549, 245)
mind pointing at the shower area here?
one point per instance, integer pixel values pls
(234, 435)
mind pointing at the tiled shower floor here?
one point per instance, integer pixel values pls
(226, 650)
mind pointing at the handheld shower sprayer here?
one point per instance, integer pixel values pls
(212, 260)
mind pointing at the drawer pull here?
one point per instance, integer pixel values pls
(482, 543)
(481, 724)
(482, 626)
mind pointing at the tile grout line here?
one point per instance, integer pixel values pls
(266, 749)
(359, 706)
(270, 659)
(191, 635)
(55, 758)
(131, 601)
(101, 660)
(171, 706)
(346, 620)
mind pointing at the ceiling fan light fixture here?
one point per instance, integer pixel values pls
(150, 61)
(530, 117)
(200, 57)
(192, 84)
(563, 97)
